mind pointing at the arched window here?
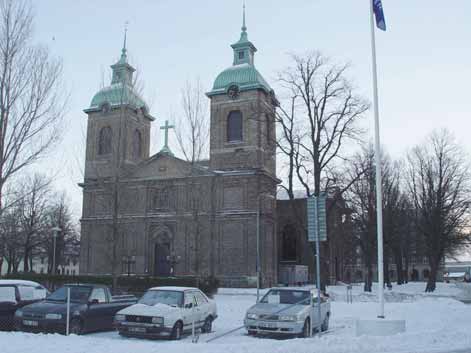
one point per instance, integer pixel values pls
(268, 129)
(137, 144)
(289, 245)
(104, 140)
(234, 126)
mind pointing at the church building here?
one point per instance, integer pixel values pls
(161, 215)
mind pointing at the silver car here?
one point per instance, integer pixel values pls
(288, 311)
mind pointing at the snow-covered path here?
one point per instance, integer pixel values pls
(434, 324)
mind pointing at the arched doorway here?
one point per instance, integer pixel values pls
(161, 264)
(415, 275)
(161, 246)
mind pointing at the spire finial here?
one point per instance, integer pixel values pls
(124, 50)
(244, 27)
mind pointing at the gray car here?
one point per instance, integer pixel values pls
(288, 311)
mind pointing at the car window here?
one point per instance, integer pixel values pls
(153, 297)
(7, 294)
(201, 298)
(275, 296)
(190, 298)
(77, 294)
(39, 292)
(98, 294)
(26, 292)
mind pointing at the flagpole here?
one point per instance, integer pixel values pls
(379, 192)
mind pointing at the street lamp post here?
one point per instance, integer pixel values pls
(258, 264)
(55, 234)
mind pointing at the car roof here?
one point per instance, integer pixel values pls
(83, 285)
(177, 289)
(18, 282)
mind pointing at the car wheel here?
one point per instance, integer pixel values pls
(76, 327)
(306, 329)
(177, 331)
(208, 325)
(325, 324)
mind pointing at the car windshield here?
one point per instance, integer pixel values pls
(77, 294)
(7, 294)
(275, 296)
(172, 298)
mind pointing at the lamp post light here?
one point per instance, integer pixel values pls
(55, 234)
(258, 264)
(128, 261)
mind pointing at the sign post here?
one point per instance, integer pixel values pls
(317, 232)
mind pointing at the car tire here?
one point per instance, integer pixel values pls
(177, 331)
(76, 327)
(306, 329)
(325, 324)
(208, 325)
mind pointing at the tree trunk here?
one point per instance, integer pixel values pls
(387, 278)
(432, 279)
(368, 278)
(399, 269)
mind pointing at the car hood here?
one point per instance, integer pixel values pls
(149, 310)
(279, 309)
(50, 307)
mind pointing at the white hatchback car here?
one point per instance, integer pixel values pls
(167, 312)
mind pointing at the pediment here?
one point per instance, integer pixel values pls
(166, 166)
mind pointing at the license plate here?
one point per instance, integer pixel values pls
(137, 329)
(30, 323)
(268, 324)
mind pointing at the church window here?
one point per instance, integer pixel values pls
(104, 140)
(289, 245)
(137, 145)
(234, 126)
(241, 55)
(160, 199)
(268, 128)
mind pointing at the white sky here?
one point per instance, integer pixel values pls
(424, 57)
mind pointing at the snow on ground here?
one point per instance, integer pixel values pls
(434, 324)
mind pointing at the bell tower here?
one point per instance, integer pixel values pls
(118, 129)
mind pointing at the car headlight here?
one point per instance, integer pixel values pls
(19, 313)
(252, 316)
(158, 320)
(53, 316)
(288, 318)
(120, 317)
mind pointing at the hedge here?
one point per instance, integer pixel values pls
(126, 284)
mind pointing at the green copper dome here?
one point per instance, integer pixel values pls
(117, 94)
(245, 76)
(242, 73)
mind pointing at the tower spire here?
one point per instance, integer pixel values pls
(244, 27)
(124, 57)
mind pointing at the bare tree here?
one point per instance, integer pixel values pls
(326, 108)
(192, 135)
(438, 182)
(31, 94)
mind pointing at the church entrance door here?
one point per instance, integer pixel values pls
(161, 264)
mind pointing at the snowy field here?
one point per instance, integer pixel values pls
(435, 323)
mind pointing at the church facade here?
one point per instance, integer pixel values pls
(160, 215)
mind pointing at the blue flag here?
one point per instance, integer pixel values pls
(379, 14)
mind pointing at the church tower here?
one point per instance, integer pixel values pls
(242, 114)
(118, 131)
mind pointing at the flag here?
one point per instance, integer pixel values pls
(379, 14)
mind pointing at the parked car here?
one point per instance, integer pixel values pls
(167, 312)
(288, 311)
(15, 294)
(92, 308)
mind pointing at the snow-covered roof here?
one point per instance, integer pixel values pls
(19, 282)
(177, 289)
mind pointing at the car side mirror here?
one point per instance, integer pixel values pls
(189, 305)
(93, 301)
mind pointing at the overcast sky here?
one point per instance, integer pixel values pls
(424, 58)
